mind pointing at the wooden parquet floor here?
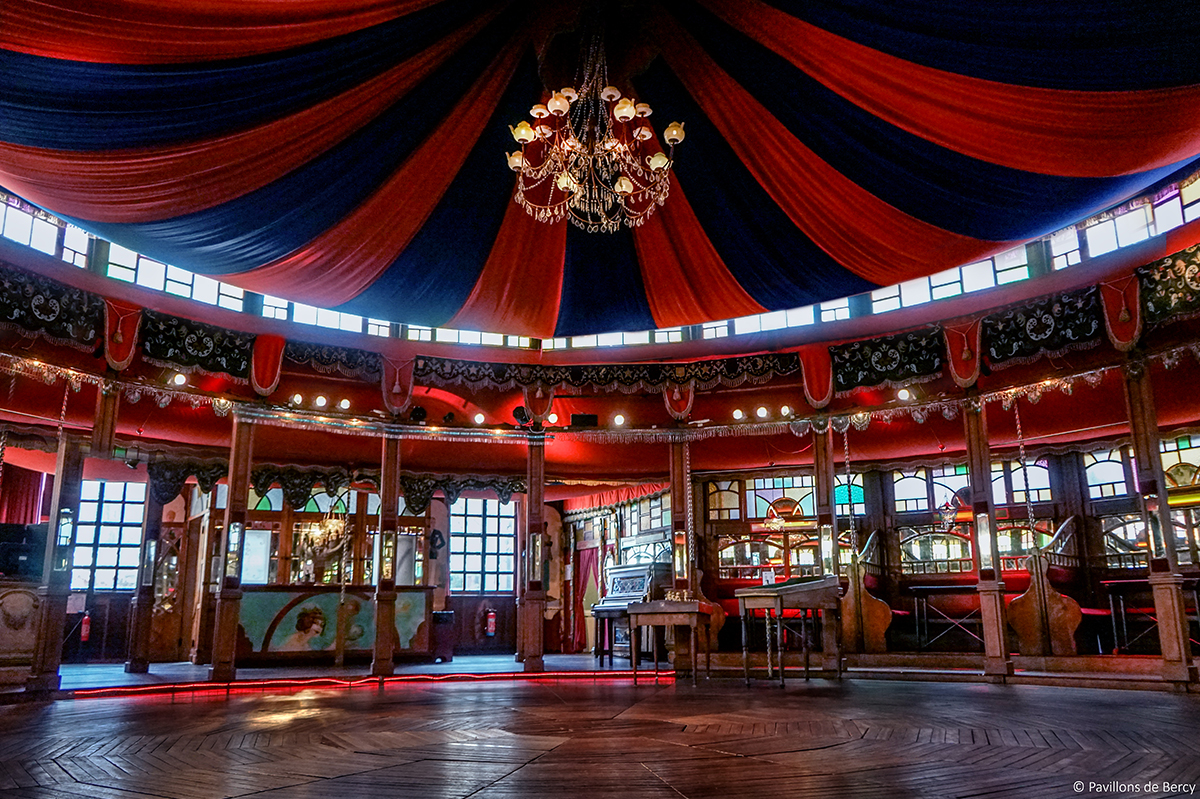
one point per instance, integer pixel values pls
(596, 740)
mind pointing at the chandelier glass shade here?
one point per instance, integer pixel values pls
(590, 155)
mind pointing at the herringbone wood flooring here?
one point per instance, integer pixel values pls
(596, 740)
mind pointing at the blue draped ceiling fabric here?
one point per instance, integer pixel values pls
(350, 153)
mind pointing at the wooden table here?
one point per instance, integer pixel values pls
(671, 613)
(810, 593)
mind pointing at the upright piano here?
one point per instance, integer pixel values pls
(635, 582)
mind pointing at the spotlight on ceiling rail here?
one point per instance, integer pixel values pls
(180, 379)
(418, 414)
(521, 414)
(344, 404)
(448, 418)
(738, 414)
(479, 418)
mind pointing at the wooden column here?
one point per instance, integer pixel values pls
(1165, 580)
(56, 573)
(104, 427)
(825, 483)
(992, 611)
(359, 549)
(141, 609)
(383, 662)
(229, 595)
(531, 607)
(680, 478)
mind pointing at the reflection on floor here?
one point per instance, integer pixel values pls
(606, 738)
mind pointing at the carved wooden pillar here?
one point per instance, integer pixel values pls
(229, 595)
(531, 608)
(142, 607)
(992, 612)
(104, 427)
(56, 573)
(383, 659)
(1165, 580)
(359, 549)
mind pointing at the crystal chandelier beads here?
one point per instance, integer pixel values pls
(589, 155)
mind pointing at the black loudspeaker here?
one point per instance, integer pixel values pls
(584, 420)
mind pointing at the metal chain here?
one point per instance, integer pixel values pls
(3, 449)
(62, 414)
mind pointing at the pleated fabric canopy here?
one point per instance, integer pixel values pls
(350, 154)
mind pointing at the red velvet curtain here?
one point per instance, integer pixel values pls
(587, 571)
(20, 495)
(181, 31)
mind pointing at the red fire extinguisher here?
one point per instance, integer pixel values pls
(85, 627)
(490, 628)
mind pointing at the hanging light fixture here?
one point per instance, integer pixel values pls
(589, 154)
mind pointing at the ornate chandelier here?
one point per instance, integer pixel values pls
(590, 155)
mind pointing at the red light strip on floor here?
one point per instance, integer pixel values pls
(360, 682)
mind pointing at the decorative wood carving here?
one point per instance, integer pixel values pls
(1044, 620)
(865, 618)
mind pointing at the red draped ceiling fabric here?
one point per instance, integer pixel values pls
(1050, 131)
(139, 185)
(338, 265)
(819, 200)
(179, 31)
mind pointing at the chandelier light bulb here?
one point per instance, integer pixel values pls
(624, 110)
(558, 104)
(656, 162)
(538, 111)
(516, 161)
(610, 93)
(569, 93)
(643, 109)
(522, 132)
(623, 186)
(674, 133)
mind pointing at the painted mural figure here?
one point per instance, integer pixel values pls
(310, 623)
